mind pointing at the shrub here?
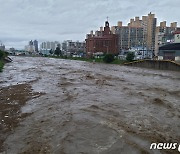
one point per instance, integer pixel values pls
(1, 65)
(1, 54)
(130, 56)
(65, 57)
(108, 58)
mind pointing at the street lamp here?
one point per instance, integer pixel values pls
(94, 50)
(107, 49)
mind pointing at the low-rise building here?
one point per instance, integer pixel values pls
(177, 37)
(165, 34)
(169, 52)
(103, 41)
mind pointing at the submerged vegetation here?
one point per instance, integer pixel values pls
(2, 56)
(130, 56)
(1, 65)
(108, 58)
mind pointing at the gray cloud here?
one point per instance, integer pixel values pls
(23, 20)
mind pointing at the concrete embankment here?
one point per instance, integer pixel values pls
(156, 64)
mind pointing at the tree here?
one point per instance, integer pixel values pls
(1, 54)
(130, 56)
(57, 51)
(108, 58)
(51, 51)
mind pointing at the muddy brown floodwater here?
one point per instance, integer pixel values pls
(59, 106)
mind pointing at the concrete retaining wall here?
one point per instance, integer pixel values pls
(156, 64)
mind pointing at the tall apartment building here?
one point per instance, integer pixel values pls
(70, 47)
(30, 42)
(32, 46)
(150, 22)
(128, 36)
(137, 33)
(49, 45)
(35, 43)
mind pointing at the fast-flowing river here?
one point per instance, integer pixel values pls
(62, 106)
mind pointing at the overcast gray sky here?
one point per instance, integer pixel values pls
(51, 20)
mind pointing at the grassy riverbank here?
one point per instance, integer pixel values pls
(97, 60)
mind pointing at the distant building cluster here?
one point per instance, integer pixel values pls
(142, 36)
(67, 47)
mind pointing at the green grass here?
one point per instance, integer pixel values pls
(79, 58)
(98, 60)
(118, 61)
(1, 65)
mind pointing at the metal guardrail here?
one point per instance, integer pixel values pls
(138, 61)
(156, 64)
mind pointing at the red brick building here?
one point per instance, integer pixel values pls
(102, 41)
